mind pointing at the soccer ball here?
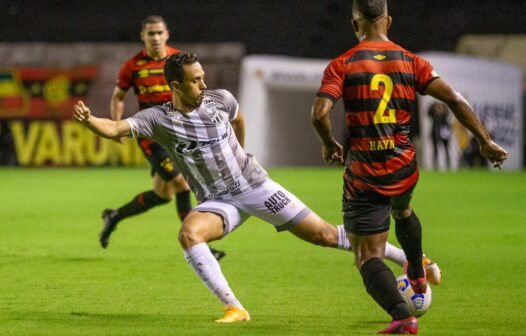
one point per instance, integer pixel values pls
(418, 303)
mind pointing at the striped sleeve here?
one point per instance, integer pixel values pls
(230, 103)
(134, 132)
(332, 82)
(424, 74)
(142, 124)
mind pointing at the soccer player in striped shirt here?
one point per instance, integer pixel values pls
(378, 81)
(204, 132)
(144, 73)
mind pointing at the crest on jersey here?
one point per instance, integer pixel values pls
(213, 112)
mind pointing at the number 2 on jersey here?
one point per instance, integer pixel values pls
(379, 116)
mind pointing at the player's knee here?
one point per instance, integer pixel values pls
(325, 238)
(179, 184)
(189, 236)
(401, 213)
(166, 195)
(368, 255)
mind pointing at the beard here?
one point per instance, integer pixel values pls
(192, 102)
(199, 100)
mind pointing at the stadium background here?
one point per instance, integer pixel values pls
(297, 28)
(54, 54)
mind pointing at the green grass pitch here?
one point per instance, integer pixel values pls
(56, 280)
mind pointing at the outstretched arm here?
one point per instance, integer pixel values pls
(466, 116)
(332, 151)
(103, 127)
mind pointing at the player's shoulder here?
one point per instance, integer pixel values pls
(219, 95)
(155, 110)
(136, 60)
(340, 60)
(172, 51)
(221, 99)
(409, 54)
(345, 55)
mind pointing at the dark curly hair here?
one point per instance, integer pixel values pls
(173, 67)
(371, 10)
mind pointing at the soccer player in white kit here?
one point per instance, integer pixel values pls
(203, 130)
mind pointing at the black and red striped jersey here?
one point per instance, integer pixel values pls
(146, 76)
(378, 82)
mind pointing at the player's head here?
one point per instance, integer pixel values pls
(186, 78)
(154, 34)
(367, 14)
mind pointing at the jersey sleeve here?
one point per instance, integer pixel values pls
(332, 81)
(124, 81)
(142, 124)
(172, 51)
(230, 103)
(424, 74)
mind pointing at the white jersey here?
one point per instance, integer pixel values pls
(203, 145)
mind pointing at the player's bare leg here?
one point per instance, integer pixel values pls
(162, 193)
(197, 230)
(166, 189)
(181, 189)
(317, 231)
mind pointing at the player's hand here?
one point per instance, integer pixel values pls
(81, 112)
(494, 153)
(333, 153)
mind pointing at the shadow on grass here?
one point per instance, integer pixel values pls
(7, 259)
(79, 259)
(85, 322)
(114, 318)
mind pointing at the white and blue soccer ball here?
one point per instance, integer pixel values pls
(418, 303)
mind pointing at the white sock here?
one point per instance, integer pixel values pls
(394, 254)
(343, 241)
(207, 268)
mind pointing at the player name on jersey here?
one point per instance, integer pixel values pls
(381, 145)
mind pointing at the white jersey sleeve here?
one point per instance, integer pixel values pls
(143, 124)
(229, 102)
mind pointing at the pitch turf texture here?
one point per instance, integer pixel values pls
(56, 280)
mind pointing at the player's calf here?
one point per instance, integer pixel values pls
(200, 227)
(316, 231)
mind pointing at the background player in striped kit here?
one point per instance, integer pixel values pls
(144, 72)
(204, 131)
(378, 81)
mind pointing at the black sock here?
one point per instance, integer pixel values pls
(409, 235)
(381, 285)
(183, 204)
(139, 204)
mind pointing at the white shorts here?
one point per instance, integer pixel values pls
(269, 202)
